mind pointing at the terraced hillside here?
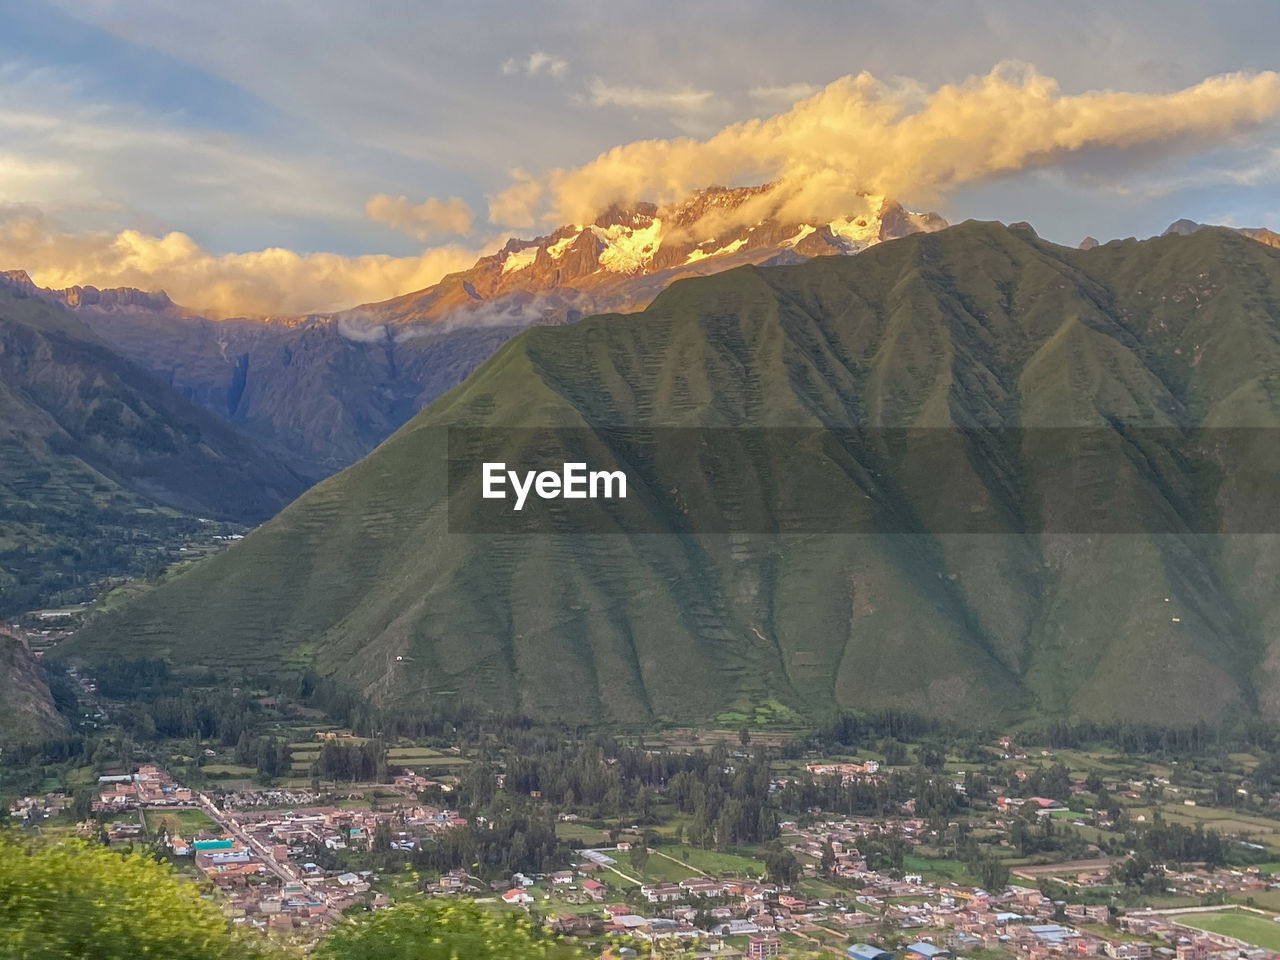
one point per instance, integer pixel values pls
(974, 327)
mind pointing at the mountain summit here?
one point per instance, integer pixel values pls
(629, 253)
(323, 390)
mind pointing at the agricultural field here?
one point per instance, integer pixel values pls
(424, 757)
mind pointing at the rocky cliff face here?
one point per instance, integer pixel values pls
(29, 714)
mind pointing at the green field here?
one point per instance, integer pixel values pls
(582, 833)
(658, 870)
(1249, 927)
(937, 871)
(714, 862)
(186, 823)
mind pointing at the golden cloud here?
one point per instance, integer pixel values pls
(431, 218)
(261, 283)
(859, 136)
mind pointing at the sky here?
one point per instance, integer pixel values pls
(298, 155)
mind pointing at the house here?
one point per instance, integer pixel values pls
(702, 887)
(1096, 913)
(763, 948)
(517, 897)
(594, 889)
(562, 877)
(1198, 949)
(661, 892)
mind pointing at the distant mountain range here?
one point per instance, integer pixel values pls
(1261, 234)
(962, 331)
(323, 390)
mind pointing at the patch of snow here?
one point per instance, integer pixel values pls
(628, 250)
(700, 254)
(856, 233)
(805, 230)
(519, 260)
(557, 249)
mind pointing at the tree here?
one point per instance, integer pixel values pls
(782, 866)
(73, 899)
(437, 930)
(895, 753)
(828, 858)
(639, 856)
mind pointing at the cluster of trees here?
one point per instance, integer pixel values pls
(1159, 840)
(270, 755)
(728, 798)
(1030, 834)
(1128, 737)
(352, 760)
(934, 795)
(516, 839)
(730, 804)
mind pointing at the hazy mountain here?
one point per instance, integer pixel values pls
(323, 390)
(1186, 227)
(101, 465)
(975, 326)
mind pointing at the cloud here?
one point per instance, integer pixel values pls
(782, 96)
(859, 136)
(537, 62)
(431, 218)
(514, 206)
(263, 282)
(669, 99)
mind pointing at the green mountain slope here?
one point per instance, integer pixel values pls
(102, 465)
(976, 326)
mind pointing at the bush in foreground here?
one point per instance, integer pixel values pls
(73, 899)
(437, 930)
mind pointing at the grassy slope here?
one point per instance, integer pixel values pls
(975, 325)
